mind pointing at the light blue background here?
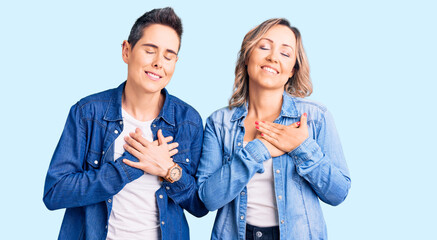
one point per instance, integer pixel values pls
(372, 63)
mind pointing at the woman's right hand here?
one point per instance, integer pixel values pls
(274, 152)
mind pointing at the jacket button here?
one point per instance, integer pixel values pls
(243, 193)
(160, 196)
(116, 131)
(280, 197)
(278, 171)
(242, 217)
(282, 221)
(187, 160)
(96, 162)
(121, 122)
(259, 234)
(162, 222)
(153, 125)
(239, 144)
(168, 188)
(109, 200)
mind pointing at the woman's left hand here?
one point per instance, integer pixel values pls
(285, 138)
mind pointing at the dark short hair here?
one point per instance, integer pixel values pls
(164, 16)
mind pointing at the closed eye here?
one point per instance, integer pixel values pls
(285, 54)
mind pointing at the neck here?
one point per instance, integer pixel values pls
(140, 105)
(264, 105)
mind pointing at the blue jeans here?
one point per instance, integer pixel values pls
(262, 233)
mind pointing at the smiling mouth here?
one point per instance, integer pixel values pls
(153, 76)
(269, 69)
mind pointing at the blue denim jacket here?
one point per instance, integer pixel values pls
(83, 176)
(314, 170)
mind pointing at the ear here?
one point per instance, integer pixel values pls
(177, 58)
(125, 51)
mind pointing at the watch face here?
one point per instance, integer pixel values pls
(175, 173)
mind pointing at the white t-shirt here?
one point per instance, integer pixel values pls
(262, 210)
(135, 212)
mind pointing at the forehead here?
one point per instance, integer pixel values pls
(161, 36)
(281, 34)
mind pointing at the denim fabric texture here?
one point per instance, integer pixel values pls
(83, 175)
(314, 170)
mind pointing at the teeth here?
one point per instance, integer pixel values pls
(269, 70)
(152, 75)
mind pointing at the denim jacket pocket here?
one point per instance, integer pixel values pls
(93, 159)
(183, 159)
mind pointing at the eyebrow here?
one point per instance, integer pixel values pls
(270, 40)
(154, 46)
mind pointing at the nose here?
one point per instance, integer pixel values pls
(157, 61)
(272, 57)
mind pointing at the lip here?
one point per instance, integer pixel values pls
(268, 66)
(153, 76)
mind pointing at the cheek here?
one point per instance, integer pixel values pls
(169, 70)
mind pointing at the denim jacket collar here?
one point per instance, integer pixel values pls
(113, 112)
(288, 108)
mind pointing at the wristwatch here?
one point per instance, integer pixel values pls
(174, 173)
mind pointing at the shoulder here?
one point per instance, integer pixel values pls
(222, 115)
(316, 111)
(184, 111)
(95, 104)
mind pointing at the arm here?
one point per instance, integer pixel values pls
(185, 191)
(156, 160)
(321, 162)
(219, 182)
(68, 185)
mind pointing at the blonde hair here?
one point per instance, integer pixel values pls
(299, 85)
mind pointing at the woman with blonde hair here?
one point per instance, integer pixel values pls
(271, 154)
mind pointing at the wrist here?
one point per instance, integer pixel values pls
(174, 173)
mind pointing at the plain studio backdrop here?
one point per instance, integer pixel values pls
(372, 64)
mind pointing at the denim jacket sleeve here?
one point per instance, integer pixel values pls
(185, 191)
(220, 179)
(321, 162)
(68, 185)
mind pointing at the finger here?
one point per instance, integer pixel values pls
(173, 152)
(274, 127)
(295, 125)
(132, 164)
(161, 139)
(134, 143)
(138, 131)
(132, 151)
(172, 146)
(303, 121)
(139, 138)
(264, 130)
(168, 139)
(269, 139)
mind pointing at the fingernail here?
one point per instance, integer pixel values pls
(262, 134)
(263, 121)
(305, 114)
(256, 122)
(257, 127)
(298, 123)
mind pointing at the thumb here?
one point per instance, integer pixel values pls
(295, 125)
(303, 120)
(161, 138)
(138, 131)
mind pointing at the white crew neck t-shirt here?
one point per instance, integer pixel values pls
(262, 210)
(135, 213)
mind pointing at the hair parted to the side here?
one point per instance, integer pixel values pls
(164, 16)
(299, 85)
